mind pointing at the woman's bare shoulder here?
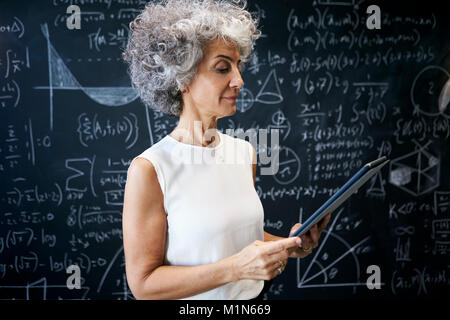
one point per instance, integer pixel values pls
(141, 164)
(142, 178)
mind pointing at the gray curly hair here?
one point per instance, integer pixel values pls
(167, 40)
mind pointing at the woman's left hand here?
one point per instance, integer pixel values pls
(310, 240)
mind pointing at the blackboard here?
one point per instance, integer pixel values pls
(340, 92)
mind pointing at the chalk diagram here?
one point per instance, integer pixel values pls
(270, 92)
(324, 269)
(61, 78)
(430, 92)
(416, 172)
(289, 166)
(280, 122)
(41, 290)
(245, 100)
(376, 184)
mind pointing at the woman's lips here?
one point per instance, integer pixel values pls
(230, 98)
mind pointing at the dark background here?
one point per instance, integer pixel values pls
(340, 94)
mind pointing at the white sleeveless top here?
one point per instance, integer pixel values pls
(213, 210)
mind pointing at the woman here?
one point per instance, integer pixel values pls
(195, 231)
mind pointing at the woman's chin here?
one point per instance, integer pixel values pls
(233, 110)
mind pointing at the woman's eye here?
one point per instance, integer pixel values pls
(224, 70)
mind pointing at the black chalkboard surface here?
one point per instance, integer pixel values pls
(339, 91)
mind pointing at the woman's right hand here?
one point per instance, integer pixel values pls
(262, 260)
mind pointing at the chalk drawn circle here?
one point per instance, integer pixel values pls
(428, 91)
(245, 100)
(280, 122)
(289, 166)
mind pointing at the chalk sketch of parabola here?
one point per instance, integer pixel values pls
(430, 92)
(61, 78)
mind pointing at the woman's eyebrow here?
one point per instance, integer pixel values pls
(225, 57)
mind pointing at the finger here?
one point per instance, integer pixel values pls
(307, 242)
(290, 242)
(295, 227)
(280, 245)
(293, 252)
(315, 235)
(277, 257)
(274, 273)
(298, 253)
(260, 243)
(276, 265)
(325, 221)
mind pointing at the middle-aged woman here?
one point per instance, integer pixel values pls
(195, 230)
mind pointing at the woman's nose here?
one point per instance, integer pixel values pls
(236, 81)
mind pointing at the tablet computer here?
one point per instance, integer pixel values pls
(350, 187)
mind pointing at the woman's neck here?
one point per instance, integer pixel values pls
(197, 132)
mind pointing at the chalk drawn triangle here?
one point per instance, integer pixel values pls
(270, 91)
(377, 186)
(330, 268)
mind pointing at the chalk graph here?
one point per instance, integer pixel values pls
(324, 269)
(61, 78)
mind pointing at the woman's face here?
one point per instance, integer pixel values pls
(215, 87)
